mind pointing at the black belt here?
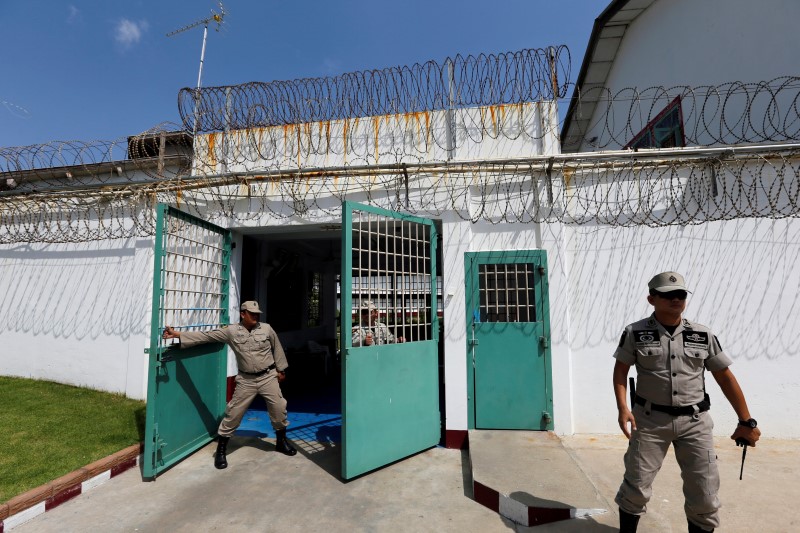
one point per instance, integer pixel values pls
(703, 406)
(259, 373)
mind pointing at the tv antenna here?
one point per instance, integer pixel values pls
(214, 17)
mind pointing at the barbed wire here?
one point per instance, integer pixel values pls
(73, 164)
(622, 191)
(482, 80)
(730, 113)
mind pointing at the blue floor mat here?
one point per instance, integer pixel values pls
(310, 419)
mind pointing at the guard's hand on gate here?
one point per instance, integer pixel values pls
(170, 333)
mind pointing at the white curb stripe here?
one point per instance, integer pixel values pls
(23, 516)
(583, 513)
(95, 481)
(513, 510)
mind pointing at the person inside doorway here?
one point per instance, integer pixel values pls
(262, 366)
(671, 407)
(370, 331)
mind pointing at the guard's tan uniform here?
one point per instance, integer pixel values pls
(255, 351)
(380, 334)
(670, 373)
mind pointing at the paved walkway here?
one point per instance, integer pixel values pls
(263, 490)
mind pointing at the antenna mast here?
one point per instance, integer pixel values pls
(214, 17)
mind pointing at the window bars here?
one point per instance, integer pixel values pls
(391, 270)
(194, 276)
(507, 292)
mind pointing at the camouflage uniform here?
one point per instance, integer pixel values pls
(380, 334)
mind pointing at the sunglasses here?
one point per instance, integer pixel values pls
(672, 295)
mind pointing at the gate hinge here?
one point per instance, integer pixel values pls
(546, 417)
(473, 342)
(543, 341)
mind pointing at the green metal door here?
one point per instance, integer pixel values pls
(390, 391)
(508, 338)
(186, 389)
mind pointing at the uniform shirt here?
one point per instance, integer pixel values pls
(670, 367)
(380, 334)
(255, 350)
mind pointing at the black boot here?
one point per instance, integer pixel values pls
(219, 458)
(628, 522)
(282, 445)
(694, 528)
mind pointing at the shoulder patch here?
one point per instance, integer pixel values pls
(646, 337)
(622, 339)
(695, 339)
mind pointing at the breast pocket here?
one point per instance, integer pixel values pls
(650, 358)
(696, 357)
(260, 338)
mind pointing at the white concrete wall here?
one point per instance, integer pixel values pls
(703, 42)
(492, 132)
(77, 313)
(745, 279)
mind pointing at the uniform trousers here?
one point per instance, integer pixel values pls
(692, 438)
(247, 387)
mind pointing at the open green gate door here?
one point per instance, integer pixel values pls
(186, 389)
(390, 391)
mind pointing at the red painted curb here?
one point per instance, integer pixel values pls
(494, 500)
(66, 487)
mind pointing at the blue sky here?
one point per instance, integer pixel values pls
(102, 70)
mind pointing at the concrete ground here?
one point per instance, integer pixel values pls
(265, 491)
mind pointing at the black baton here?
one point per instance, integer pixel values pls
(741, 442)
(632, 389)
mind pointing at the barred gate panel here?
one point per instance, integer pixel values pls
(186, 388)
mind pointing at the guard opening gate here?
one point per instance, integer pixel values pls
(186, 389)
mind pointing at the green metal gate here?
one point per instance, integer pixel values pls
(390, 391)
(508, 336)
(186, 389)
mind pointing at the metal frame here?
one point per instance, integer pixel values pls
(390, 392)
(401, 289)
(186, 393)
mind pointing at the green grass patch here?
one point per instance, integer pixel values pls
(49, 429)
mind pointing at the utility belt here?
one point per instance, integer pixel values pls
(259, 373)
(705, 405)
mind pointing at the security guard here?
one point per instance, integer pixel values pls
(370, 331)
(262, 366)
(671, 406)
